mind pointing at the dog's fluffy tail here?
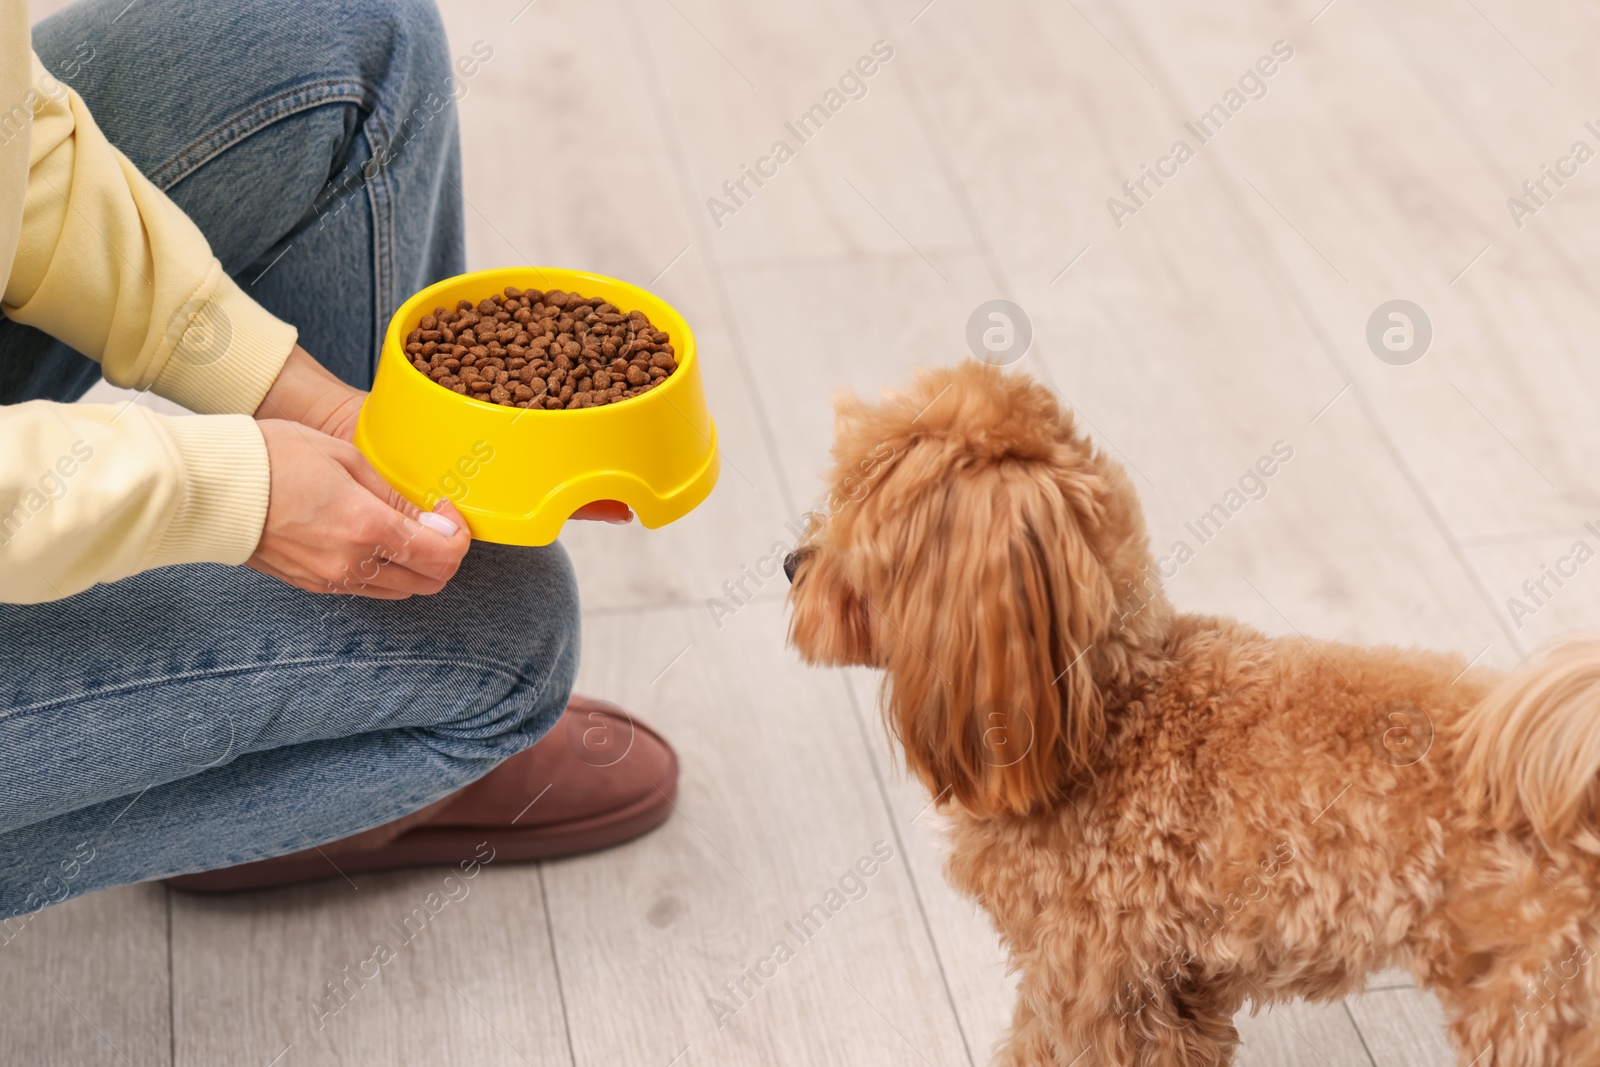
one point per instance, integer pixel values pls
(1530, 751)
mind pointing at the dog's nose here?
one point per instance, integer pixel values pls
(790, 562)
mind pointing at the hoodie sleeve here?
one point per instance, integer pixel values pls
(107, 263)
(96, 492)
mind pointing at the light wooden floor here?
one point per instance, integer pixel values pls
(1228, 313)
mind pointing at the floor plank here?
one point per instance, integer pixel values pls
(85, 982)
(778, 802)
(970, 957)
(1525, 576)
(1403, 1028)
(1300, 1033)
(734, 80)
(887, 315)
(1131, 340)
(410, 968)
(1354, 142)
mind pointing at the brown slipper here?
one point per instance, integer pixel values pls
(597, 779)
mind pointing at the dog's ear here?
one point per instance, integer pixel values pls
(990, 684)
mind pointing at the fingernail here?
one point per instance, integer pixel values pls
(621, 522)
(437, 523)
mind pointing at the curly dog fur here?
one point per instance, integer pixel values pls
(1167, 815)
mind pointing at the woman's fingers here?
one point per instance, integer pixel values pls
(432, 548)
(435, 542)
(430, 544)
(334, 526)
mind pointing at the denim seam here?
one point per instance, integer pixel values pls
(257, 117)
(399, 659)
(382, 238)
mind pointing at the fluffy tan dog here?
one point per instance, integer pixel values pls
(1167, 815)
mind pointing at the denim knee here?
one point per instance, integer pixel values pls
(523, 613)
(547, 615)
(404, 50)
(396, 50)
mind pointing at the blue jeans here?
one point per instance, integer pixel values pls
(200, 716)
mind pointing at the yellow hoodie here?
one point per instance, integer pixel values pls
(93, 254)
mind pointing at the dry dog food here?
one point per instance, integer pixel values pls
(529, 349)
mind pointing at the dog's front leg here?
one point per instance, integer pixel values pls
(1143, 1026)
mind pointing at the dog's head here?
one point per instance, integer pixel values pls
(979, 549)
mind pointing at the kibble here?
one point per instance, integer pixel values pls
(524, 348)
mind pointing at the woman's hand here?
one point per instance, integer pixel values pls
(334, 526)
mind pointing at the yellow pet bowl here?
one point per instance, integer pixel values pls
(517, 474)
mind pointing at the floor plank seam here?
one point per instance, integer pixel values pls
(555, 963)
(172, 988)
(1554, 248)
(917, 99)
(672, 139)
(911, 875)
(1361, 1037)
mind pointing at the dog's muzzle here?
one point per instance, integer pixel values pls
(795, 560)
